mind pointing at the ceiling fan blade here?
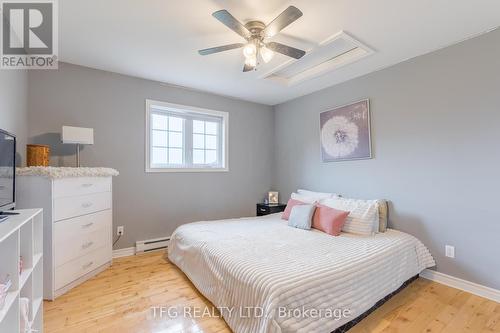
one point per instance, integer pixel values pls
(283, 20)
(248, 68)
(220, 48)
(229, 21)
(286, 50)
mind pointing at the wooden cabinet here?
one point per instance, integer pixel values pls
(266, 209)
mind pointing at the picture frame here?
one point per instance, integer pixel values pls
(273, 197)
(345, 132)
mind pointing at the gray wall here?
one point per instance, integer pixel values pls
(435, 130)
(436, 134)
(13, 107)
(151, 205)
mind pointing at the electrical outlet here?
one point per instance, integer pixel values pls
(450, 251)
(120, 230)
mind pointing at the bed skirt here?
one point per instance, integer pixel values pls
(346, 327)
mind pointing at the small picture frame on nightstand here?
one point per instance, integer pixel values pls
(273, 197)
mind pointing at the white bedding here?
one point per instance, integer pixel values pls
(262, 263)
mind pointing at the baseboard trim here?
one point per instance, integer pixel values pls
(126, 252)
(471, 287)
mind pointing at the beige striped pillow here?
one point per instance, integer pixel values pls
(383, 214)
(363, 218)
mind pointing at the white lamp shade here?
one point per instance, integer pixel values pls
(77, 135)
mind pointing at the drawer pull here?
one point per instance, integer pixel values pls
(88, 225)
(87, 185)
(87, 245)
(87, 265)
(86, 204)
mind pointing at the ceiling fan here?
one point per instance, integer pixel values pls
(256, 33)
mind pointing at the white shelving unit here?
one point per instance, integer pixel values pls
(22, 236)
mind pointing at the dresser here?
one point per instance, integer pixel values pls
(78, 220)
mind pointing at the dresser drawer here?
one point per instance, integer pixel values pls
(68, 207)
(79, 236)
(263, 210)
(69, 187)
(75, 269)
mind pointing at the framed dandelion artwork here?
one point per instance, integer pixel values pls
(345, 132)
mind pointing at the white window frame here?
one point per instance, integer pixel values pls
(178, 108)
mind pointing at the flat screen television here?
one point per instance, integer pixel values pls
(7, 171)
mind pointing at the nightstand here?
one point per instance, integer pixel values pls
(266, 209)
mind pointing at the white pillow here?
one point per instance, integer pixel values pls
(317, 195)
(304, 198)
(363, 217)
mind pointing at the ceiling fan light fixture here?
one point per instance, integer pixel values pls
(266, 54)
(251, 61)
(255, 32)
(250, 50)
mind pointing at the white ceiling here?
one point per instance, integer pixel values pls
(159, 39)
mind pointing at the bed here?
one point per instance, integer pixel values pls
(267, 277)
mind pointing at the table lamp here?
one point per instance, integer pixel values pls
(78, 136)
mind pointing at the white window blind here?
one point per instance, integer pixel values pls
(183, 138)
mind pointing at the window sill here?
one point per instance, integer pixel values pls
(180, 170)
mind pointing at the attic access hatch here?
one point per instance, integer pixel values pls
(337, 51)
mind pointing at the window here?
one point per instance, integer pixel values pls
(183, 138)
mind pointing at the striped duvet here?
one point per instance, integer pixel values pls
(267, 276)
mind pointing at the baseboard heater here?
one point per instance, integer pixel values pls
(151, 244)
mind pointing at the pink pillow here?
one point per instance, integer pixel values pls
(289, 206)
(329, 220)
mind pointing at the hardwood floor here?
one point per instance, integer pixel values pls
(120, 300)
